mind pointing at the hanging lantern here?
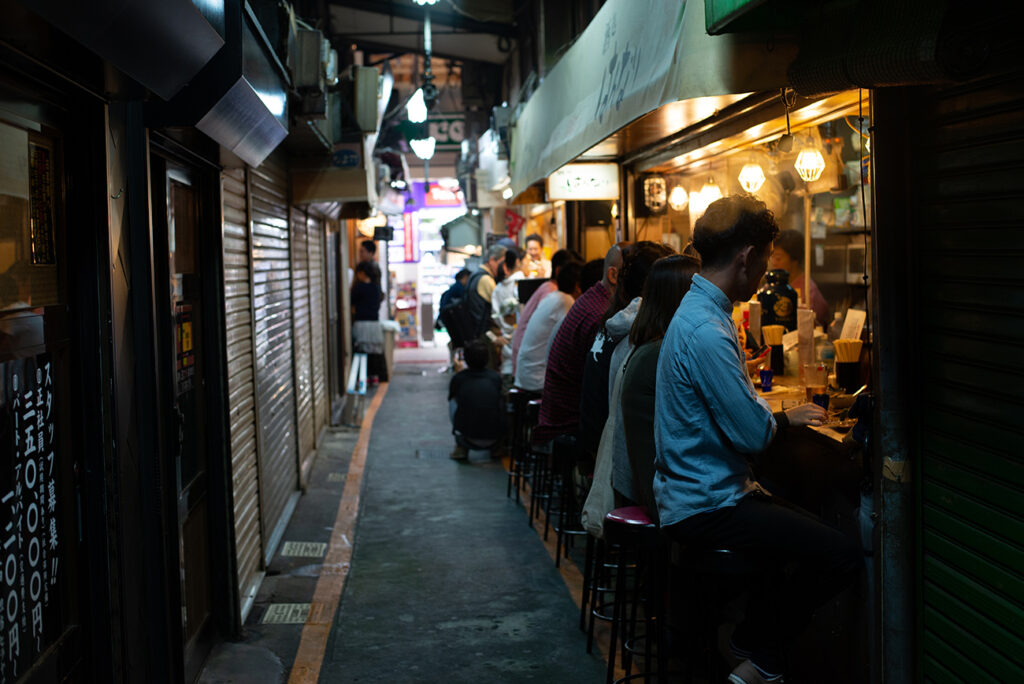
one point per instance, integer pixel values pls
(809, 164)
(416, 107)
(751, 177)
(710, 192)
(677, 199)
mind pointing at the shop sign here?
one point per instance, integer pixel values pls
(347, 156)
(513, 223)
(411, 247)
(584, 182)
(448, 130)
(29, 542)
(439, 196)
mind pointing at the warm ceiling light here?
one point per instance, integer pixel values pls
(416, 107)
(751, 177)
(809, 164)
(710, 192)
(424, 149)
(677, 199)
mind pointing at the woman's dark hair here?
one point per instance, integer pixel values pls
(729, 225)
(562, 257)
(666, 284)
(511, 257)
(637, 260)
(367, 269)
(569, 277)
(592, 272)
(369, 245)
(476, 354)
(792, 243)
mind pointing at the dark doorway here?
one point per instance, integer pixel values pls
(180, 298)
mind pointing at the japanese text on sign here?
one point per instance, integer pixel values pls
(29, 543)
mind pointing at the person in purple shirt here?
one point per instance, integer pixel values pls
(788, 254)
(710, 423)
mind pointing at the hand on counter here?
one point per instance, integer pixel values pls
(806, 414)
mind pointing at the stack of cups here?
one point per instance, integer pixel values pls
(848, 364)
(773, 338)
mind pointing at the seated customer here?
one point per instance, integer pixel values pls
(532, 361)
(667, 283)
(475, 403)
(560, 258)
(710, 423)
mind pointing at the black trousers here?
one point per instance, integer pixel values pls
(780, 534)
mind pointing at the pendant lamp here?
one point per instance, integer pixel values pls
(751, 177)
(677, 199)
(809, 164)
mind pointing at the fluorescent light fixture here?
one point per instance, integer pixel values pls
(425, 2)
(416, 107)
(424, 149)
(507, 193)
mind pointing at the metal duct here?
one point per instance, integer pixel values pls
(880, 43)
(162, 44)
(240, 99)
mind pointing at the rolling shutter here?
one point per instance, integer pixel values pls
(302, 344)
(318, 322)
(241, 382)
(275, 386)
(968, 161)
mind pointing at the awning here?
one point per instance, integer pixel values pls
(635, 56)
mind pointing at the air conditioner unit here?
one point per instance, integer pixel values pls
(309, 70)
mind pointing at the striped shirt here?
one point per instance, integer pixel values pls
(560, 401)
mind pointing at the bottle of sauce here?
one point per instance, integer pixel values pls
(778, 300)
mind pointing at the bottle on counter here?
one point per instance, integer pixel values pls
(778, 300)
(835, 328)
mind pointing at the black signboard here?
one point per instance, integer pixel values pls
(40, 176)
(29, 543)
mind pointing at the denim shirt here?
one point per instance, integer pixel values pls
(708, 417)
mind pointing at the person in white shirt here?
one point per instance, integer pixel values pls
(505, 307)
(532, 362)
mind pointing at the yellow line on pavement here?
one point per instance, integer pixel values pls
(334, 572)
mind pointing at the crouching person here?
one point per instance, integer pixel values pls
(475, 403)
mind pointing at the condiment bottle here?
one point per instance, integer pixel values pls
(778, 300)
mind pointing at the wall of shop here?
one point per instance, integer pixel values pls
(950, 238)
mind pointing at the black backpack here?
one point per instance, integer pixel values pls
(460, 316)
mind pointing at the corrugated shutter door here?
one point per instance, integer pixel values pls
(300, 325)
(969, 162)
(318, 323)
(275, 385)
(241, 382)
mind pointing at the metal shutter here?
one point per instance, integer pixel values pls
(969, 165)
(241, 382)
(302, 344)
(318, 322)
(275, 387)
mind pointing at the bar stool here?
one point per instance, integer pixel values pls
(536, 462)
(564, 456)
(635, 535)
(518, 466)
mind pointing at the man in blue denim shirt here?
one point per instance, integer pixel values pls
(709, 422)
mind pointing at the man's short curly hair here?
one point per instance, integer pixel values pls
(729, 225)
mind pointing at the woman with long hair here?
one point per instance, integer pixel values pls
(667, 284)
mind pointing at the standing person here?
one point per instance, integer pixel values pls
(788, 255)
(560, 403)
(504, 307)
(532, 362)
(709, 423)
(479, 294)
(475, 404)
(453, 294)
(559, 259)
(537, 266)
(367, 336)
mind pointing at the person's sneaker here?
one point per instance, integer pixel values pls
(459, 454)
(748, 673)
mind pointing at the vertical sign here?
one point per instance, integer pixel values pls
(185, 349)
(29, 544)
(40, 174)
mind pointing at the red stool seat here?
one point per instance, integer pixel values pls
(630, 515)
